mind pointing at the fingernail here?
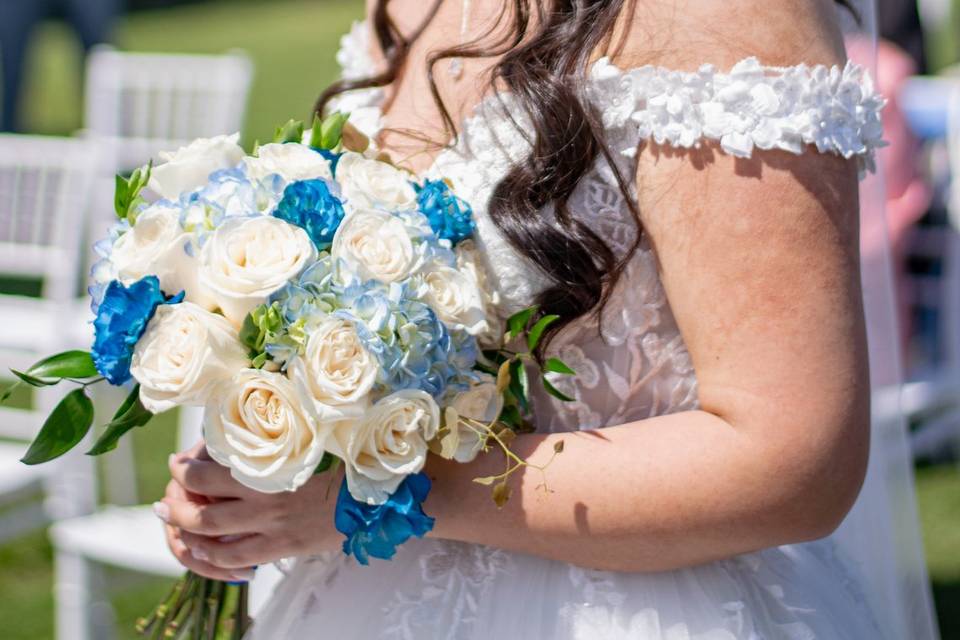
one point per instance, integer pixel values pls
(243, 575)
(162, 511)
(200, 555)
(171, 458)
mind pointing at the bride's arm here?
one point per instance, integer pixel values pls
(760, 263)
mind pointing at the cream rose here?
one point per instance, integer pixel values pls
(454, 297)
(335, 368)
(370, 183)
(469, 263)
(257, 426)
(190, 167)
(183, 355)
(480, 402)
(157, 245)
(290, 161)
(247, 259)
(388, 444)
(373, 244)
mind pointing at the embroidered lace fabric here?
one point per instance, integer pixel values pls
(640, 368)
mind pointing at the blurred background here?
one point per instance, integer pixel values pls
(95, 87)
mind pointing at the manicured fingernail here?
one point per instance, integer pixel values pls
(243, 575)
(200, 555)
(162, 511)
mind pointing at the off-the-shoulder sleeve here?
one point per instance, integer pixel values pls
(834, 109)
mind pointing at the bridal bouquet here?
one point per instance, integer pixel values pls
(327, 308)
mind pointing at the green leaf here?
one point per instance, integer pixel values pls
(69, 364)
(331, 131)
(520, 384)
(33, 381)
(131, 414)
(9, 391)
(127, 192)
(536, 332)
(292, 131)
(501, 493)
(518, 321)
(64, 428)
(556, 365)
(326, 463)
(510, 416)
(556, 393)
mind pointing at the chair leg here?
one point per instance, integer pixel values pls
(72, 596)
(83, 610)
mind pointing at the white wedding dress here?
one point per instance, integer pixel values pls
(436, 589)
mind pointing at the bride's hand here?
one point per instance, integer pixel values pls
(220, 529)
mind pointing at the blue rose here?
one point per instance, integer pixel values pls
(331, 157)
(122, 318)
(309, 205)
(450, 217)
(377, 530)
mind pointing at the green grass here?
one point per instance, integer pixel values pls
(938, 493)
(293, 45)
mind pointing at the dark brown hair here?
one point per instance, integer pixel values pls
(545, 71)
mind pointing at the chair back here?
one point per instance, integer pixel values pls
(149, 102)
(45, 187)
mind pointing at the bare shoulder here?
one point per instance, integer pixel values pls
(684, 34)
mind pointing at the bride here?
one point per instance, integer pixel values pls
(677, 179)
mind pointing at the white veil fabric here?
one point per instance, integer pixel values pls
(881, 535)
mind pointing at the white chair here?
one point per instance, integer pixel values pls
(44, 191)
(130, 538)
(142, 103)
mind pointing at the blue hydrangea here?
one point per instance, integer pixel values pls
(310, 205)
(450, 217)
(414, 348)
(121, 319)
(377, 530)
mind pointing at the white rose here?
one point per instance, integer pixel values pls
(470, 265)
(387, 444)
(290, 161)
(335, 368)
(190, 167)
(157, 245)
(373, 244)
(481, 402)
(247, 259)
(454, 297)
(370, 183)
(183, 355)
(257, 426)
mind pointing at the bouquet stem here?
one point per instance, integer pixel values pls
(199, 608)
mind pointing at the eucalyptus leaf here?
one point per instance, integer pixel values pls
(486, 480)
(556, 393)
(131, 414)
(536, 332)
(518, 321)
(64, 428)
(556, 365)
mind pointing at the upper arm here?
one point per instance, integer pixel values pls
(759, 258)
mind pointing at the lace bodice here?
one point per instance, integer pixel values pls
(640, 366)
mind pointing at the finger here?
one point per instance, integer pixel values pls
(183, 555)
(193, 452)
(228, 517)
(234, 553)
(206, 478)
